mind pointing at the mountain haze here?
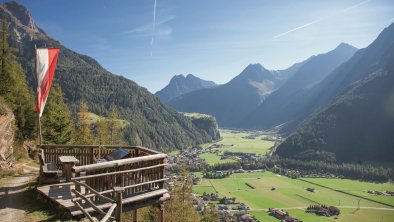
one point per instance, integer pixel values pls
(82, 78)
(180, 85)
(230, 102)
(280, 107)
(357, 121)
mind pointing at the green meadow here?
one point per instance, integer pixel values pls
(290, 193)
(235, 141)
(213, 159)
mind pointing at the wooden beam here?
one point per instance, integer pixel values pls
(84, 212)
(117, 172)
(109, 213)
(145, 183)
(117, 163)
(161, 212)
(94, 191)
(89, 201)
(135, 215)
(118, 196)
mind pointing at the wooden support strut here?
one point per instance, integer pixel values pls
(118, 198)
(161, 212)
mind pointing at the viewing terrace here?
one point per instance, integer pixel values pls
(102, 181)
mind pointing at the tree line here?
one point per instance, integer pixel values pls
(295, 168)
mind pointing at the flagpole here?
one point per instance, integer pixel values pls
(38, 113)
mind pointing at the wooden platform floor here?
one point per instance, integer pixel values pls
(61, 194)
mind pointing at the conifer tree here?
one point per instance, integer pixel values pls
(57, 125)
(14, 88)
(114, 127)
(84, 132)
(102, 131)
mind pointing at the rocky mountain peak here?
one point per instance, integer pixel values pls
(19, 15)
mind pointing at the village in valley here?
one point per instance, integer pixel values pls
(220, 188)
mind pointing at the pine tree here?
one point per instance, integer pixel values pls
(57, 125)
(102, 131)
(84, 132)
(114, 126)
(14, 89)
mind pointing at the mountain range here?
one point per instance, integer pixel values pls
(82, 78)
(180, 85)
(285, 106)
(356, 118)
(336, 105)
(230, 102)
(239, 102)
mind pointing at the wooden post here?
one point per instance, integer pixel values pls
(161, 212)
(135, 215)
(118, 198)
(91, 155)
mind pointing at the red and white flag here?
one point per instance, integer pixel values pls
(45, 65)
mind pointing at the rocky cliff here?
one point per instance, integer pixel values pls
(205, 122)
(6, 137)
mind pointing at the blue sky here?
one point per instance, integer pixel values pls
(213, 39)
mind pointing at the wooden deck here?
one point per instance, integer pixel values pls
(61, 195)
(105, 188)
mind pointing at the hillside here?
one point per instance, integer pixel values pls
(205, 122)
(358, 122)
(180, 85)
(81, 78)
(230, 102)
(274, 110)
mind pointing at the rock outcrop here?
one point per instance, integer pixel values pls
(6, 137)
(205, 122)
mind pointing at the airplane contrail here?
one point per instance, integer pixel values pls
(295, 29)
(154, 29)
(318, 20)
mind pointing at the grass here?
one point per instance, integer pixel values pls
(358, 188)
(93, 118)
(235, 141)
(291, 193)
(174, 152)
(242, 144)
(213, 159)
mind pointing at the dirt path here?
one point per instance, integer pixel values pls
(12, 193)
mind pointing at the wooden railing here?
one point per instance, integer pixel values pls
(128, 181)
(106, 215)
(135, 175)
(87, 153)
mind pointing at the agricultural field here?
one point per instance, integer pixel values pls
(213, 159)
(292, 196)
(236, 141)
(358, 188)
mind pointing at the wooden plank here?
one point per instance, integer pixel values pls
(144, 196)
(109, 213)
(94, 191)
(118, 172)
(80, 196)
(117, 163)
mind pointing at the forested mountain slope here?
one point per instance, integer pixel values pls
(81, 78)
(358, 122)
(280, 107)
